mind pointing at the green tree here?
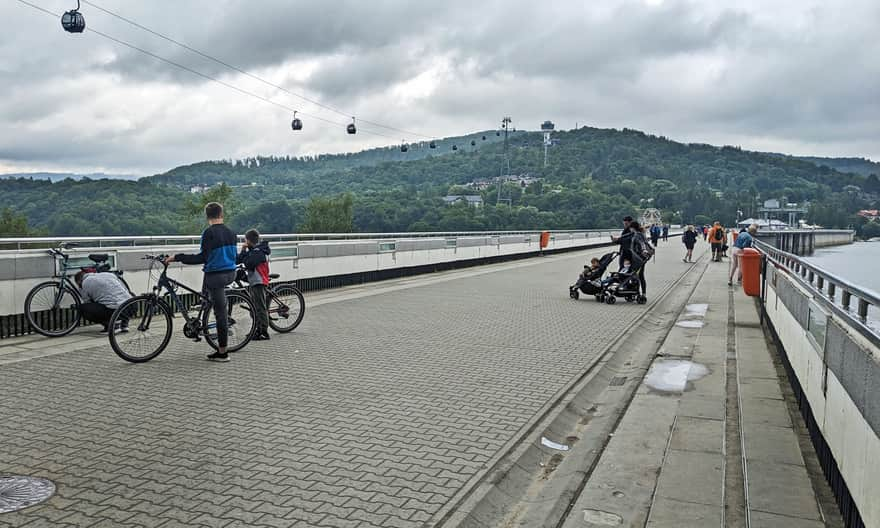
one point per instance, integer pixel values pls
(332, 214)
(194, 207)
(12, 223)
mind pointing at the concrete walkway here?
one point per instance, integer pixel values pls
(708, 439)
(386, 405)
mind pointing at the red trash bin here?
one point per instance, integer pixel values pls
(545, 239)
(750, 262)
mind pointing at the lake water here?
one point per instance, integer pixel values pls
(858, 263)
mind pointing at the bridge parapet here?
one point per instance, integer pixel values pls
(828, 329)
(326, 259)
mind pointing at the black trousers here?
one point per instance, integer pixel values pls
(258, 293)
(642, 281)
(214, 288)
(96, 313)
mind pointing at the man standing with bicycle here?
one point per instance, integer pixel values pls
(217, 256)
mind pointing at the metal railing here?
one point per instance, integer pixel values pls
(847, 299)
(19, 243)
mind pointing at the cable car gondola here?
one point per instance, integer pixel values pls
(404, 147)
(72, 21)
(454, 147)
(351, 129)
(432, 145)
(497, 133)
(473, 143)
(484, 138)
(297, 123)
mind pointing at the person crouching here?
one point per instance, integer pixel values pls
(255, 257)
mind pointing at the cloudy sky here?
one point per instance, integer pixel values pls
(799, 76)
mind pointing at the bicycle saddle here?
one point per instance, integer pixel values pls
(98, 257)
(274, 275)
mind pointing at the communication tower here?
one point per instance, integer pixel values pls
(547, 128)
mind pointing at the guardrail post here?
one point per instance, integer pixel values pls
(845, 299)
(831, 290)
(863, 309)
(820, 282)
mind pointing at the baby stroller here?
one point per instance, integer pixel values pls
(623, 284)
(590, 282)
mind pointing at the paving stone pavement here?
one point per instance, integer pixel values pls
(375, 412)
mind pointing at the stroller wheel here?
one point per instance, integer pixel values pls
(611, 299)
(642, 299)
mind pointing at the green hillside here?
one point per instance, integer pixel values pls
(594, 177)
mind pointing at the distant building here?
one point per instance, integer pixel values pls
(472, 200)
(762, 223)
(870, 214)
(200, 188)
(776, 210)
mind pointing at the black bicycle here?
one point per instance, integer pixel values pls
(52, 308)
(286, 303)
(149, 318)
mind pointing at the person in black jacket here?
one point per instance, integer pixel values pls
(255, 257)
(689, 238)
(635, 248)
(217, 256)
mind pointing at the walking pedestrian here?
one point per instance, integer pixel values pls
(655, 234)
(744, 240)
(637, 250)
(689, 238)
(666, 232)
(716, 238)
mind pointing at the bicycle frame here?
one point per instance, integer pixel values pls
(168, 284)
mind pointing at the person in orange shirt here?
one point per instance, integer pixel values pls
(716, 238)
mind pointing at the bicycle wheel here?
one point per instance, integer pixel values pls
(149, 324)
(286, 308)
(52, 309)
(241, 320)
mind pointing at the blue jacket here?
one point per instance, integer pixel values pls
(744, 240)
(218, 250)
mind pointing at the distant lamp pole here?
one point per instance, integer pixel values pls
(547, 128)
(505, 161)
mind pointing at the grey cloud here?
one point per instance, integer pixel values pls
(802, 74)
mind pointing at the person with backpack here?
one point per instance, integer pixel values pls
(635, 248)
(716, 238)
(689, 238)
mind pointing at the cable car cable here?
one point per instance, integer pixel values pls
(206, 76)
(244, 72)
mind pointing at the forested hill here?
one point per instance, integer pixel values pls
(862, 166)
(594, 177)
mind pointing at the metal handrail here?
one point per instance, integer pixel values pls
(823, 282)
(123, 241)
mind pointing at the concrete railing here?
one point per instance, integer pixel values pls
(833, 358)
(294, 257)
(804, 241)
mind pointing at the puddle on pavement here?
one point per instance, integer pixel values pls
(696, 310)
(602, 518)
(693, 316)
(673, 375)
(546, 442)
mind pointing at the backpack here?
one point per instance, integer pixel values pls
(719, 234)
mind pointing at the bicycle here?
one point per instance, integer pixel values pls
(52, 308)
(149, 319)
(286, 303)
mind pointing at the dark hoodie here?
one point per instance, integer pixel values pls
(256, 262)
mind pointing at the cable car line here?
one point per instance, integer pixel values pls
(246, 73)
(206, 76)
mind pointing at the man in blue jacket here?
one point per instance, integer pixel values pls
(217, 256)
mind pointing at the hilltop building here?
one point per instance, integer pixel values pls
(470, 199)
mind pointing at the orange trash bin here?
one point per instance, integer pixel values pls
(750, 262)
(545, 239)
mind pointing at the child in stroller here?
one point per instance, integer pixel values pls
(589, 281)
(624, 283)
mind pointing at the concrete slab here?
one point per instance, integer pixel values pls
(764, 411)
(669, 513)
(767, 443)
(782, 489)
(767, 388)
(697, 434)
(690, 476)
(770, 520)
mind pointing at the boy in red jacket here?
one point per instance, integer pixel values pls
(255, 257)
